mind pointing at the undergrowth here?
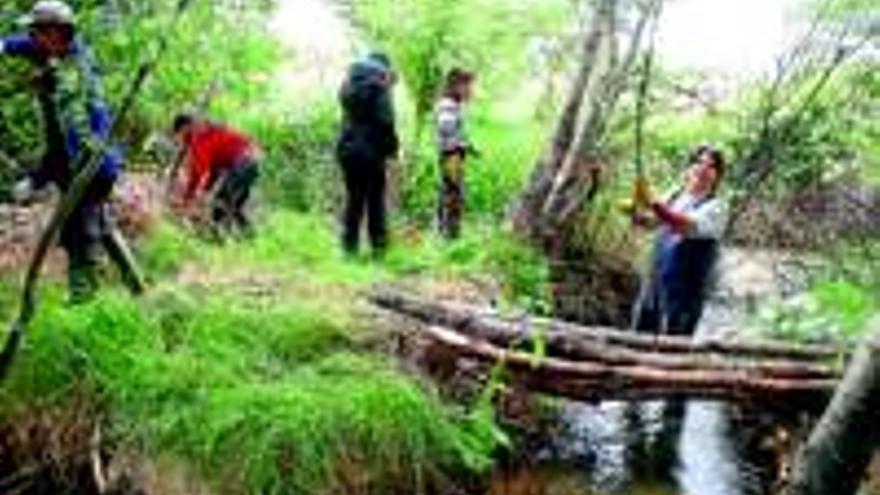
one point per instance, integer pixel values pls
(247, 360)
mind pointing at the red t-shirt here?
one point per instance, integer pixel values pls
(212, 148)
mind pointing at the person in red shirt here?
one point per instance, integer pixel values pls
(221, 167)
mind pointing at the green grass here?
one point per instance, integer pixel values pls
(248, 360)
(272, 396)
(305, 248)
(832, 310)
(508, 148)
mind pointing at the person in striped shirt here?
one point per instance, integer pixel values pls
(454, 147)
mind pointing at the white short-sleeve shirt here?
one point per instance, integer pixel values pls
(710, 216)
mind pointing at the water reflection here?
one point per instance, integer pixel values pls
(649, 448)
(662, 447)
(708, 462)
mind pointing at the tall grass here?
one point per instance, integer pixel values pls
(262, 399)
(247, 360)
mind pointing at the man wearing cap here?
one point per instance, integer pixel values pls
(75, 118)
(367, 141)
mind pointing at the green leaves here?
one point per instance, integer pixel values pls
(427, 37)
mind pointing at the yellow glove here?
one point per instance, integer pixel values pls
(642, 195)
(627, 206)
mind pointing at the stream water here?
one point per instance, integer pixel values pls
(663, 447)
(641, 449)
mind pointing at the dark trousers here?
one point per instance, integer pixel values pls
(88, 229)
(233, 190)
(365, 185)
(669, 312)
(451, 204)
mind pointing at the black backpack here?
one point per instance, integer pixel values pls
(362, 91)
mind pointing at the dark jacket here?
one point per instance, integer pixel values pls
(368, 128)
(72, 104)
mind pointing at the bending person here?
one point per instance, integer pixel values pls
(221, 165)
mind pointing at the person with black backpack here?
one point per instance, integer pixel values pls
(691, 224)
(367, 141)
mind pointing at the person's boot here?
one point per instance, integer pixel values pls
(82, 282)
(244, 226)
(379, 247)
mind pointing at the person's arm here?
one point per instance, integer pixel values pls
(193, 177)
(18, 46)
(202, 183)
(678, 222)
(386, 121)
(707, 221)
(100, 120)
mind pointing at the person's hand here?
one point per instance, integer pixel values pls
(23, 190)
(642, 195)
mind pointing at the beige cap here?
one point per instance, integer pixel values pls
(49, 12)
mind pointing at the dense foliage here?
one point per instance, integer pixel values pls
(256, 355)
(267, 366)
(218, 63)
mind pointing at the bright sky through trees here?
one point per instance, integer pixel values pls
(736, 37)
(740, 37)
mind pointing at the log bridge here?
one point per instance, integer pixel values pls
(592, 364)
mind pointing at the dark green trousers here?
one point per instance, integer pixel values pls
(89, 230)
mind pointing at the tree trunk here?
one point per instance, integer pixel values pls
(574, 184)
(527, 212)
(565, 178)
(836, 457)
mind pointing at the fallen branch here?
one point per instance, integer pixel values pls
(98, 472)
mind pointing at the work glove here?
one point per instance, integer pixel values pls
(643, 197)
(627, 206)
(23, 190)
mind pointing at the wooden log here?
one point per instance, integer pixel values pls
(579, 343)
(592, 381)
